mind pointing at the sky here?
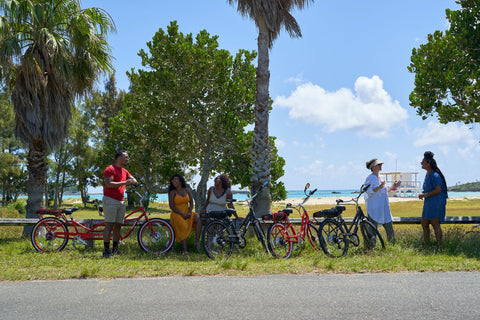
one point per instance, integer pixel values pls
(340, 91)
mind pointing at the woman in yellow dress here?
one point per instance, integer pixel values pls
(182, 217)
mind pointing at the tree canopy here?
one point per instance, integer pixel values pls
(188, 108)
(51, 51)
(446, 68)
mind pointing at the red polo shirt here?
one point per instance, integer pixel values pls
(118, 174)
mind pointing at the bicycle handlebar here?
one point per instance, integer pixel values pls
(363, 189)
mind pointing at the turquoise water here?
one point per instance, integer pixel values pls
(340, 194)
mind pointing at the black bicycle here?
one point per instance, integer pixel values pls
(335, 236)
(220, 234)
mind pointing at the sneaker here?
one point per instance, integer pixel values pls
(116, 252)
(106, 254)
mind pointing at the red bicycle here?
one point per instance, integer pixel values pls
(281, 235)
(51, 233)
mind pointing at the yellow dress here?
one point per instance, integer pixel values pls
(181, 226)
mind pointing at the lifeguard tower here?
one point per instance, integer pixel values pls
(409, 188)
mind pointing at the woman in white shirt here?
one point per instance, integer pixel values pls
(376, 199)
(218, 195)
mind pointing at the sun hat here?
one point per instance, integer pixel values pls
(372, 163)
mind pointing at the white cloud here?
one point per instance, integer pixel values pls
(369, 111)
(446, 137)
(280, 143)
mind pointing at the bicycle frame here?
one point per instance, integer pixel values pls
(282, 235)
(84, 233)
(214, 234)
(51, 233)
(359, 217)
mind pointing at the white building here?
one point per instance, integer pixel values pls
(409, 188)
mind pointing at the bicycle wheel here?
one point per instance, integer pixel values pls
(372, 238)
(332, 238)
(49, 234)
(156, 236)
(312, 235)
(257, 227)
(278, 243)
(216, 240)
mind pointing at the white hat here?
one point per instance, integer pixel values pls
(374, 163)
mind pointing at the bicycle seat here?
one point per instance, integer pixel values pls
(329, 213)
(69, 211)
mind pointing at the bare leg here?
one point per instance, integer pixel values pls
(198, 230)
(438, 231)
(184, 245)
(107, 231)
(426, 230)
(116, 231)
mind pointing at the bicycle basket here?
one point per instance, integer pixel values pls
(281, 215)
(329, 213)
(220, 214)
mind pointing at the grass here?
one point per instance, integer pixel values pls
(460, 252)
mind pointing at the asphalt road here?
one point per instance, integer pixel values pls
(359, 296)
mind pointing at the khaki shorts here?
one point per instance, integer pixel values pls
(113, 210)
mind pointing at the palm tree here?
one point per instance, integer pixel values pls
(269, 16)
(51, 51)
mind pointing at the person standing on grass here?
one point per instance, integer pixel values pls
(435, 199)
(376, 199)
(116, 179)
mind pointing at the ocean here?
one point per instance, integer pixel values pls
(337, 194)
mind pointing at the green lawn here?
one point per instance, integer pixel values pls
(460, 252)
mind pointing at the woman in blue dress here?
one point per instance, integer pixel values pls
(435, 199)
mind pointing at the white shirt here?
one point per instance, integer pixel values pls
(377, 204)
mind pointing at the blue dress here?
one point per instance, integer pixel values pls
(434, 207)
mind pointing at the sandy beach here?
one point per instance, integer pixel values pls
(331, 200)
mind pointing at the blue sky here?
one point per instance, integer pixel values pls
(341, 91)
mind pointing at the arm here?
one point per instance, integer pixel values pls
(109, 183)
(190, 207)
(209, 192)
(432, 193)
(229, 204)
(396, 184)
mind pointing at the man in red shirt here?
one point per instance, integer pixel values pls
(116, 179)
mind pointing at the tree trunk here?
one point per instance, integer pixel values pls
(201, 192)
(261, 148)
(37, 168)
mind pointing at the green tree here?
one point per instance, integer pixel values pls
(50, 51)
(269, 16)
(188, 109)
(82, 164)
(12, 167)
(446, 68)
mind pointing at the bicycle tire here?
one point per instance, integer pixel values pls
(156, 236)
(332, 237)
(216, 240)
(375, 242)
(257, 227)
(44, 235)
(312, 235)
(278, 244)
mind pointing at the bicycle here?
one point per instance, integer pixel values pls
(281, 235)
(220, 235)
(335, 236)
(51, 234)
